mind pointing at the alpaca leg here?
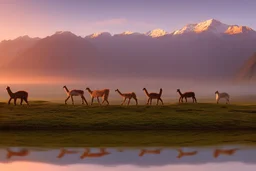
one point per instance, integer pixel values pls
(15, 100)
(26, 100)
(148, 101)
(85, 100)
(67, 100)
(72, 100)
(227, 101)
(186, 99)
(21, 101)
(136, 101)
(123, 101)
(92, 100)
(195, 99)
(9, 101)
(157, 102)
(128, 102)
(107, 102)
(99, 100)
(161, 101)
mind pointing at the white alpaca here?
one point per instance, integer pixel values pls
(222, 96)
(74, 93)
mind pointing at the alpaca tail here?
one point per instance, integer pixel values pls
(161, 91)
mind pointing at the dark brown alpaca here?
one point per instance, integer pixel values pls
(186, 95)
(154, 96)
(22, 95)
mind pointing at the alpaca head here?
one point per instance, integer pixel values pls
(7, 88)
(144, 89)
(87, 88)
(116, 90)
(64, 86)
(178, 90)
(216, 92)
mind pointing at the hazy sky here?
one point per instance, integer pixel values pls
(83, 17)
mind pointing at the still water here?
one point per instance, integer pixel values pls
(218, 158)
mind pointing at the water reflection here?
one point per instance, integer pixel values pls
(138, 158)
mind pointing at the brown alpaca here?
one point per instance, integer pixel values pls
(21, 153)
(74, 93)
(219, 152)
(88, 154)
(22, 95)
(144, 151)
(186, 95)
(129, 96)
(99, 93)
(63, 152)
(182, 154)
(154, 96)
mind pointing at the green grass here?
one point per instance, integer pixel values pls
(43, 115)
(51, 139)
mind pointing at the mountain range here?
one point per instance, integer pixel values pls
(206, 49)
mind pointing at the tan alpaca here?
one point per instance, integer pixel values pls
(21, 153)
(186, 95)
(74, 93)
(22, 95)
(99, 93)
(63, 152)
(88, 154)
(144, 151)
(128, 96)
(153, 96)
(182, 154)
(219, 152)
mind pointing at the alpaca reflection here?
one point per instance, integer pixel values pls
(63, 152)
(144, 151)
(183, 154)
(228, 152)
(21, 153)
(87, 153)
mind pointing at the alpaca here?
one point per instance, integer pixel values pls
(99, 93)
(153, 96)
(144, 151)
(22, 95)
(187, 95)
(229, 152)
(128, 96)
(21, 153)
(88, 154)
(182, 154)
(222, 95)
(63, 152)
(74, 93)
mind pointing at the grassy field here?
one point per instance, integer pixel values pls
(42, 115)
(51, 139)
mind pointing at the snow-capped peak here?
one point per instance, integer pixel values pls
(100, 34)
(235, 29)
(156, 33)
(127, 33)
(211, 25)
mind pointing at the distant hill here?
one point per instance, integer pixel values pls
(248, 70)
(209, 49)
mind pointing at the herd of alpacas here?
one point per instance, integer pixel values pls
(104, 94)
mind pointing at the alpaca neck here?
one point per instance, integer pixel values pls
(10, 92)
(120, 93)
(89, 90)
(146, 91)
(180, 93)
(66, 89)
